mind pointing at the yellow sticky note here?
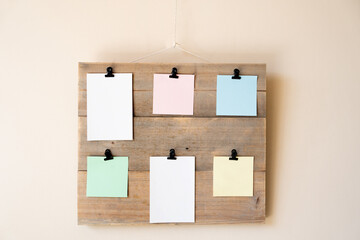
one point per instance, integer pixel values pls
(233, 177)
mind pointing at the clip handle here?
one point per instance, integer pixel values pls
(174, 73)
(172, 154)
(108, 155)
(233, 155)
(109, 73)
(236, 74)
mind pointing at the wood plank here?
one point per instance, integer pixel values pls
(204, 104)
(199, 137)
(205, 74)
(211, 209)
(203, 135)
(135, 208)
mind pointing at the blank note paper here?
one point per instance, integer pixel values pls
(233, 177)
(109, 107)
(173, 95)
(107, 178)
(236, 97)
(172, 189)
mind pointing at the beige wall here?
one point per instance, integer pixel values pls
(312, 52)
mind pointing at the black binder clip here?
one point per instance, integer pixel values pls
(109, 72)
(108, 155)
(236, 74)
(173, 73)
(172, 155)
(233, 155)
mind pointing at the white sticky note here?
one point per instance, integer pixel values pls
(172, 190)
(109, 107)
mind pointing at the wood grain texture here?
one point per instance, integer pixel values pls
(204, 138)
(204, 104)
(205, 73)
(135, 208)
(202, 135)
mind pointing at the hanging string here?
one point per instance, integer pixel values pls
(150, 55)
(193, 54)
(175, 44)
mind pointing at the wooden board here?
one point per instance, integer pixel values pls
(135, 208)
(202, 135)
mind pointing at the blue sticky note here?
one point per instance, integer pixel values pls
(107, 178)
(236, 97)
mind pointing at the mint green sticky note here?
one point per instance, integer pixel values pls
(107, 178)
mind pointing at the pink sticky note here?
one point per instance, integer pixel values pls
(173, 95)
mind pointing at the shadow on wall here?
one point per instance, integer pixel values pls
(275, 88)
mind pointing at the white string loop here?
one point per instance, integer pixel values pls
(175, 44)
